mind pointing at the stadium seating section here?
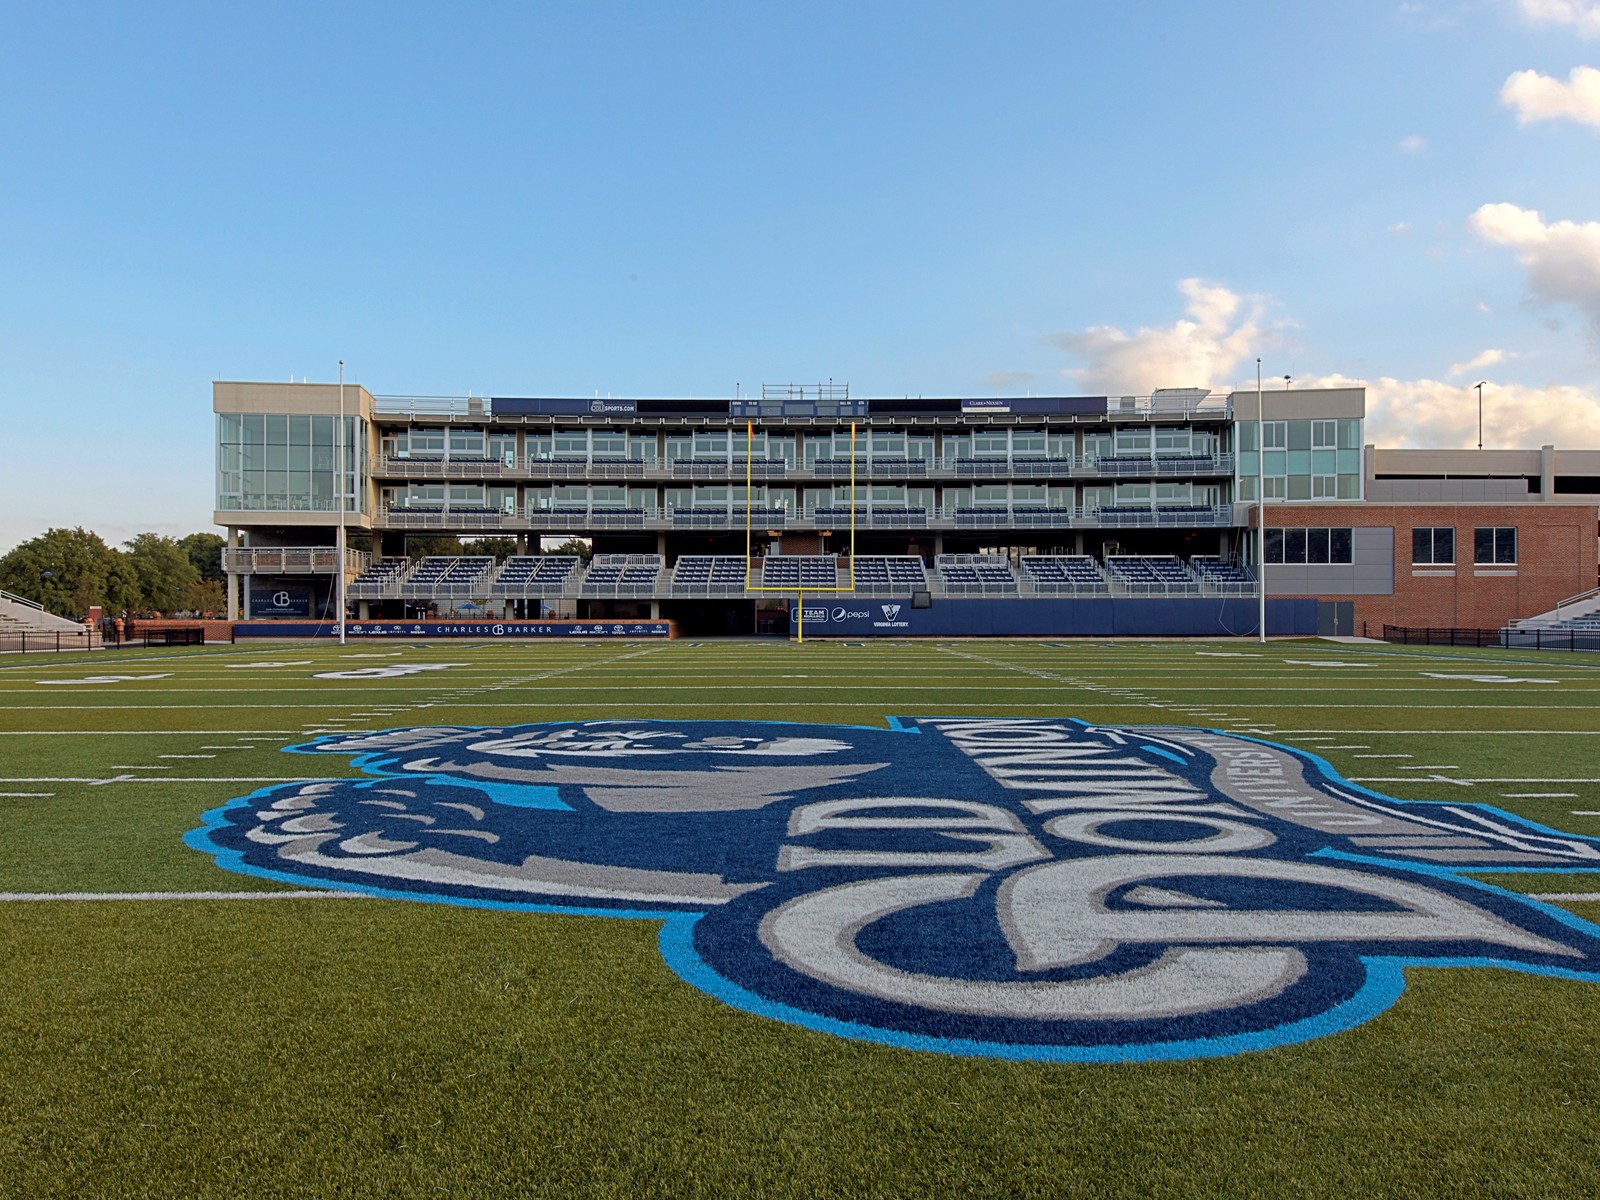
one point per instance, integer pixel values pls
(623, 574)
(708, 574)
(802, 572)
(534, 575)
(889, 575)
(1152, 573)
(982, 574)
(1063, 573)
(446, 576)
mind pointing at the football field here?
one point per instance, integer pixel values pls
(197, 1003)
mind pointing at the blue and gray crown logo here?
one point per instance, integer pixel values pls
(1023, 888)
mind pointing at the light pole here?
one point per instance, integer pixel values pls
(1479, 386)
(338, 455)
(1261, 513)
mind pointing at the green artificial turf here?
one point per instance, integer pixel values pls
(360, 1047)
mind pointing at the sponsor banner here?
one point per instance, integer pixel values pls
(1042, 405)
(1037, 888)
(477, 629)
(1093, 617)
(280, 600)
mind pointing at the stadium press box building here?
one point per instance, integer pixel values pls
(1071, 515)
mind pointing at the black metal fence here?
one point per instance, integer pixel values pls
(1503, 639)
(52, 642)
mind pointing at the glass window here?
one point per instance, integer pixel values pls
(609, 496)
(1299, 487)
(1275, 435)
(889, 444)
(989, 493)
(1495, 546)
(1341, 545)
(1274, 549)
(1028, 493)
(1247, 487)
(1433, 545)
(608, 443)
(1247, 437)
(1133, 441)
(1172, 441)
(1350, 435)
(1324, 435)
(991, 443)
(1324, 487)
(1316, 545)
(467, 442)
(1273, 487)
(711, 444)
(1294, 545)
(1027, 444)
(427, 441)
(573, 444)
(1299, 435)
(1349, 487)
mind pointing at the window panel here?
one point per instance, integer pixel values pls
(1299, 487)
(1483, 545)
(1341, 546)
(1317, 546)
(1274, 548)
(1294, 545)
(1299, 435)
(1350, 435)
(1275, 435)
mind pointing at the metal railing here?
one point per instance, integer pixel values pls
(291, 560)
(55, 641)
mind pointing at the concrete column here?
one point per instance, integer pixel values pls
(1547, 472)
(233, 580)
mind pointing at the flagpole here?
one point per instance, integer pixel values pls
(338, 440)
(1261, 513)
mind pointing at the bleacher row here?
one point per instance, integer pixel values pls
(730, 575)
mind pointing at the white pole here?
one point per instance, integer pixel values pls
(1261, 513)
(338, 441)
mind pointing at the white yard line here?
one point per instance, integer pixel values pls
(1540, 795)
(1569, 897)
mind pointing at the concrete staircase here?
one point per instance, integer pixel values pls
(20, 617)
(1575, 612)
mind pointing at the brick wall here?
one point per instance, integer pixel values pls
(1556, 558)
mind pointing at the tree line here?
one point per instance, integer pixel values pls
(69, 571)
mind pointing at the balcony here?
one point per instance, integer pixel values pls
(290, 560)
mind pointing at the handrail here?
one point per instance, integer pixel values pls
(16, 599)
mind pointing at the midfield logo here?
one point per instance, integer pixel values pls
(1022, 888)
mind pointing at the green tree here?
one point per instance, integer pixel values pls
(69, 571)
(205, 552)
(499, 547)
(582, 548)
(420, 545)
(165, 576)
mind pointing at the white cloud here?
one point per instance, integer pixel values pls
(1483, 308)
(1581, 15)
(1401, 228)
(1562, 259)
(1007, 379)
(1439, 414)
(1220, 330)
(1414, 144)
(1487, 359)
(1536, 97)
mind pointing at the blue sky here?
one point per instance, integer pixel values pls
(667, 199)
